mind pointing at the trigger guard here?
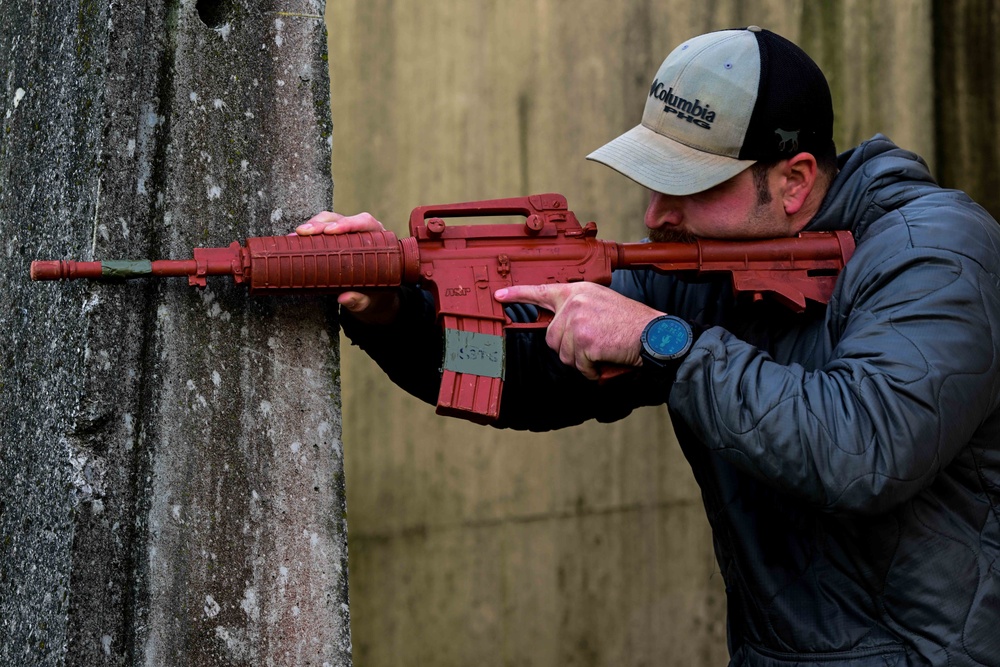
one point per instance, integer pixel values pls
(523, 313)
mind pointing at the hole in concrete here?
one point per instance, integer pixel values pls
(214, 13)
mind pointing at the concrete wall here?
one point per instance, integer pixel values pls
(588, 546)
(171, 481)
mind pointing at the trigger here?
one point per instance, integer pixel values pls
(523, 313)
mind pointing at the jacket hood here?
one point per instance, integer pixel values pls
(874, 178)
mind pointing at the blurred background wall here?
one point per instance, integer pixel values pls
(588, 546)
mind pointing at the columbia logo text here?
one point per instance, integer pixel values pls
(692, 112)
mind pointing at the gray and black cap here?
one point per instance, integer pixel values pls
(719, 103)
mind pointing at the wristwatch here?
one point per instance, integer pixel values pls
(665, 339)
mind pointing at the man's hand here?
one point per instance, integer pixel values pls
(591, 324)
(369, 307)
(328, 222)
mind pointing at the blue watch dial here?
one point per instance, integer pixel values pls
(667, 337)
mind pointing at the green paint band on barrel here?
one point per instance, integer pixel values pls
(126, 268)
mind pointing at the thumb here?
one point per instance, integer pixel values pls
(354, 301)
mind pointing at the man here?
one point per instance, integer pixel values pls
(848, 456)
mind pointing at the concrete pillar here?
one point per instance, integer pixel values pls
(171, 479)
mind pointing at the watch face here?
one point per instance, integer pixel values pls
(667, 337)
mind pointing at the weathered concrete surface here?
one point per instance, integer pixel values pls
(171, 481)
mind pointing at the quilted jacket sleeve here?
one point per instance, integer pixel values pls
(540, 392)
(911, 376)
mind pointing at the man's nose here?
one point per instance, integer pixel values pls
(663, 210)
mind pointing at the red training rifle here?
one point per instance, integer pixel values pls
(463, 265)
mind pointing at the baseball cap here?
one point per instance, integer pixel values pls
(720, 102)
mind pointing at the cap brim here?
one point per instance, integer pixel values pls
(664, 165)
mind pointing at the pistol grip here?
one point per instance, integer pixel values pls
(611, 371)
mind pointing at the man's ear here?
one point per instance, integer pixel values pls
(799, 174)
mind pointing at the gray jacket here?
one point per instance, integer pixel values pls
(848, 456)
